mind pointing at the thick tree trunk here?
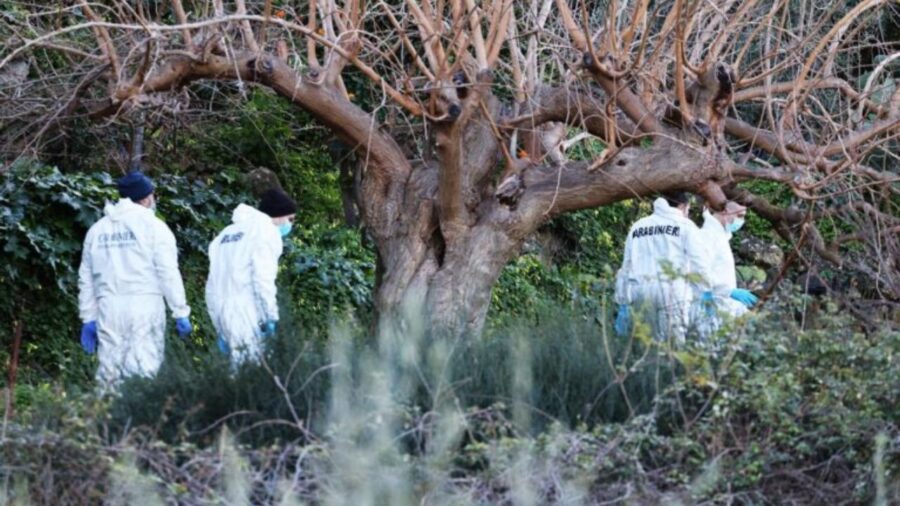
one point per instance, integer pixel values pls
(460, 292)
(450, 292)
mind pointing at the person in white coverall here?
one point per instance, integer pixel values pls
(716, 232)
(243, 264)
(663, 271)
(129, 264)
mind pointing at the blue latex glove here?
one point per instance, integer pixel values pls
(709, 303)
(183, 327)
(223, 345)
(745, 297)
(268, 328)
(623, 320)
(89, 337)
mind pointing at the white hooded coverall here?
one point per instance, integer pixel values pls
(721, 268)
(240, 291)
(128, 264)
(657, 243)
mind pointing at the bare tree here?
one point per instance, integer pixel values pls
(464, 155)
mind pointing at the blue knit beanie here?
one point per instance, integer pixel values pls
(135, 186)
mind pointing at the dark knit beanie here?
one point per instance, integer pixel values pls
(276, 203)
(135, 186)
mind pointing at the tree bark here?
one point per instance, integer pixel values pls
(449, 290)
(342, 156)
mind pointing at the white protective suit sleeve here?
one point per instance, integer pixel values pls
(87, 296)
(165, 260)
(623, 290)
(697, 259)
(719, 284)
(264, 264)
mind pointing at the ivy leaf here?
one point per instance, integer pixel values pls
(69, 200)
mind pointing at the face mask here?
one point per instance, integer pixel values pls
(285, 229)
(736, 225)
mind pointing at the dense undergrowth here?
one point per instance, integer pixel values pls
(558, 412)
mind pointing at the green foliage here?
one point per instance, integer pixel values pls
(268, 131)
(803, 397)
(595, 238)
(524, 283)
(777, 195)
(192, 395)
(270, 134)
(328, 274)
(573, 263)
(587, 150)
(44, 214)
(574, 363)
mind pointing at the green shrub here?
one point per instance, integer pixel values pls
(567, 353)
(791, 399)
(328, 275)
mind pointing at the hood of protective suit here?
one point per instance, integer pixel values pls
(662, 208)
(118, 211)
(244, 214)
(712, 224)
